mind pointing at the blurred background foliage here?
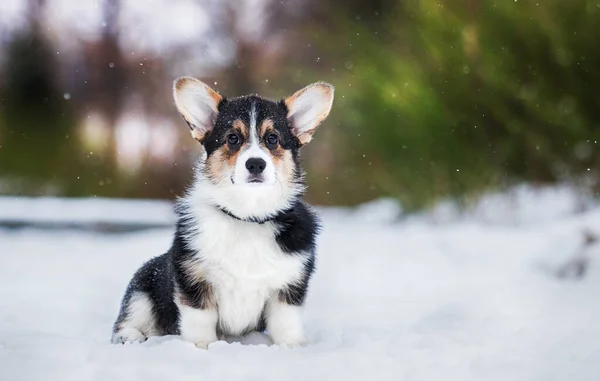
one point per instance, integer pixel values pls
(442, 98)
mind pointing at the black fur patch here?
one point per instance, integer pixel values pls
(154, 279)
(295, 293)
(299, 229)
(196, 293)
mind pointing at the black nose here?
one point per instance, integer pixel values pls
(256, 165)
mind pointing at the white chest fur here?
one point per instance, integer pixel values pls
(244, 264)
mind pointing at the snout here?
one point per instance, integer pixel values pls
(256, 165)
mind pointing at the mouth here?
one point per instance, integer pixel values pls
(255, 180)
(252, 180)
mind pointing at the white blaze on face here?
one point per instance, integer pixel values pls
(253, 150)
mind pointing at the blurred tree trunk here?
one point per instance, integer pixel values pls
(35, 119)
(103, 90)
(110, 79)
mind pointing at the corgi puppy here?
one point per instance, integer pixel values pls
(244, 246)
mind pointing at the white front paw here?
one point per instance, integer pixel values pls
(289, 339)
(204, 340)
(203, 344)
(198, 326)
(128, 335)
(284, 324)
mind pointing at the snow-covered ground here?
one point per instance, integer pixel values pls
(440, 296)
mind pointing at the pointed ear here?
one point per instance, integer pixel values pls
(198, 104)
(307, 108)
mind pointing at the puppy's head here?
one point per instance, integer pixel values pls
(252, 143)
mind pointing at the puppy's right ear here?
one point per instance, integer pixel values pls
(198, 104)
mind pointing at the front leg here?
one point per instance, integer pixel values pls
(198, 316)
(197, 325)
(284, 320)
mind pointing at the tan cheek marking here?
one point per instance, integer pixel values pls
(277, 154)
(221, 162)
(232, 158)
(285, 165)
(216, 165)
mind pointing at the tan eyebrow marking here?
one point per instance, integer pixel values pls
(239, 125)
(266, 125)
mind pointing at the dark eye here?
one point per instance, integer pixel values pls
(233, 139)
(272, 139)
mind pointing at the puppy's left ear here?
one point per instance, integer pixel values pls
(307, 108)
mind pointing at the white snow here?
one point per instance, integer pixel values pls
(96, 210)
(469, 297)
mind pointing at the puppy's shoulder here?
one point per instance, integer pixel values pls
(298, 229)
